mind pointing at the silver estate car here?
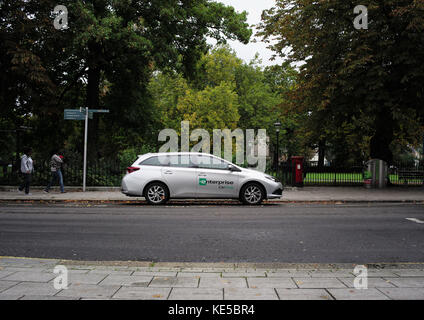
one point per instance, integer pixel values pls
(161, 176)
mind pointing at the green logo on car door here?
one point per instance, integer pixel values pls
(202, 181)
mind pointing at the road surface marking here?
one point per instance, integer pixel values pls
(415, 220)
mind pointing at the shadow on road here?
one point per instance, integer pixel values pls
(190, 203)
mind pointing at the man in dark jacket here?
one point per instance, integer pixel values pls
(56, 162)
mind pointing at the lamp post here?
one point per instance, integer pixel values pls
(277, 126)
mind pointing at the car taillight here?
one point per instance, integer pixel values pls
(132, 169)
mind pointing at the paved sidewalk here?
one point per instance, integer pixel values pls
(306, 194)
(33, 279)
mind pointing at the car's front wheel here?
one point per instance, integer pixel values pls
(156, 193)
(251, 194)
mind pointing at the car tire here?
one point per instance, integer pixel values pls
(252, 194)
(156, 193)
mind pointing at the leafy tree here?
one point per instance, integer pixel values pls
(211, 108)
(359, 90)
(104, 59)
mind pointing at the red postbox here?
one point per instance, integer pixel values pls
(297, 163)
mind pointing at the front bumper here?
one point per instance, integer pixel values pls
(276, 193)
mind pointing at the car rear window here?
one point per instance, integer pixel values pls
(155, 161)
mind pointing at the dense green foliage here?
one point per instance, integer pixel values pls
(360, 92)
(226, 93)
(104, 59)
(354, 94)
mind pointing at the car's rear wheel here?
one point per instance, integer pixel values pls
(156, 193)
(252, 193)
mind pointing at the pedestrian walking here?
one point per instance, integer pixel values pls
(27, 168)
(56, 163)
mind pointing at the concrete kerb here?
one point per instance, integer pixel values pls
(219, 265)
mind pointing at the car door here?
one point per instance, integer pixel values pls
(214, 180)
(180, 177)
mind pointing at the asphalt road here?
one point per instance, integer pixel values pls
(290, 233)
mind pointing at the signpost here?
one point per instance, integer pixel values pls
(75, 114)
(83, 114)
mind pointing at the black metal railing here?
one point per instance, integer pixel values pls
(101, 173)
(400, 173)
(332, 174)
(110, 173)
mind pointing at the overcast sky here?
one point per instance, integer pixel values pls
(254, 9)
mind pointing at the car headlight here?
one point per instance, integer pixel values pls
(271, 178)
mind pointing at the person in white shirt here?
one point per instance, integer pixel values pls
(27, 168)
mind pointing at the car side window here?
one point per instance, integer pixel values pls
(182, 161)
(207, 162)
(161, 161)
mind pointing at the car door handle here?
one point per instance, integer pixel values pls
(168, 172)
(202, 174)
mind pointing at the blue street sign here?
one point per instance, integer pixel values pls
(98, 110)
(75, 114)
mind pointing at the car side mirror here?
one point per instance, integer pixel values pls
(233, 168)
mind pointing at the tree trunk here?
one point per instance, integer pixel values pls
(321, 153)
(383, 137)
(92, 98)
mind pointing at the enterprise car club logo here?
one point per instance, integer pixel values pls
(204, 182)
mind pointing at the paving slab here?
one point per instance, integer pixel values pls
(31, 289)
(288, 274)
(259, 283)
(303, 294)
(30, 276)
(330, 273)
(123, 280)
(78, 271)
(354, 294)
(404, 293)
(199, 274)
(249, 294)
(5, 273)
(79, 267)
(139, 293)
(107, 272)
(207, 269)
(4, 284)
(111, 268)
(381, 273)
(372, 283)
(85, 278)
(155, 273)
(222, 283)
(315, 283)
(47, 298)
(30, 262)
(88, 291)
(243, 274)
(26, 269)
(196, 294)
(409, 273)
(10, 297)
(407, 282)
(175, 282)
